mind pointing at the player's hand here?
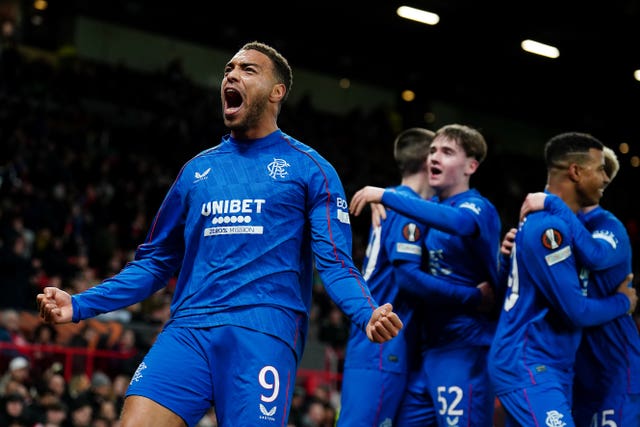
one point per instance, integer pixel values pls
(54, 305)
(363, 196)
(488, 297)
(378, 214)
(507, 242)
(384, 324)
(533, 202)
(630, 292)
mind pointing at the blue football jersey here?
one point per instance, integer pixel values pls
(244, 223)
(608, 359)
(463, 246)
(545, 309)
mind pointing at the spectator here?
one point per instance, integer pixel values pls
(44, 337)
(18, 372)
(100, 390)
(298, 401)
(55, 414)
(13, 411)
(315, 414)
(131, 354)
(16, 272)
(10, 329)
(81, 413)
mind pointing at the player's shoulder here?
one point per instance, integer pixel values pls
(602, 216)
(605, 225)
(476, 202)
(542, 228)
(542, 219)
(304, 152)
(298, 145)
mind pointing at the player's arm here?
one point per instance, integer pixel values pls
(452, 220)
(331, 241)
(378, 214)
(155, 262)
(595, 254)
(433, 289)
(549, 253)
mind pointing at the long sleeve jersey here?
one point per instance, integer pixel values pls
(394, 254)
(613, 348)
(463, 246)
(545, 309)
(243, 223)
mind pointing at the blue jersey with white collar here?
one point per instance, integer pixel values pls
(243, 223)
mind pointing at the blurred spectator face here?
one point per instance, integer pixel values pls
(81, 417)
(78, 384)
(57, 384)
(14, 405)
(316, 414)
(55, 415)
(45, 334)
(100, 422)
(11, 320)
(20, 375)
(108, 410)
(120, 384)
(16, 387)
(101, 384)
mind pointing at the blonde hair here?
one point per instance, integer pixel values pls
(611, 164)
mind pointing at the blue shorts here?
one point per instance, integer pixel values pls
(451, 389)
(246, 375)
(370, 397)
(620, 408)
(544, 404)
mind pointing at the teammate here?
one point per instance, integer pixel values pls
(545, 309)
(374, 377)
(611, 351)
(606, 390)
(242, 223)
(452, 386)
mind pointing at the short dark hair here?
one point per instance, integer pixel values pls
(411, 148)
(281, 67)
(569, 147)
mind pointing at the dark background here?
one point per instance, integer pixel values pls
(472, 57)
(471, 60)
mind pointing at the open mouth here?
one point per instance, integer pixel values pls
(232, 98)
(434, 170)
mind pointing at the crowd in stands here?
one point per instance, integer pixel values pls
(88, 151)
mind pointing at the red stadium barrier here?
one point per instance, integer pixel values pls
(47, 354)
(42, 356)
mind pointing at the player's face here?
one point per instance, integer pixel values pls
(449, 167)
(247, 83)
(593, 179)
